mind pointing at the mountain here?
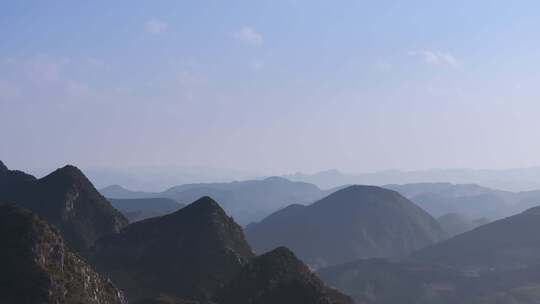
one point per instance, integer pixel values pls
(454, 224)
(495, 263)
(8, 178)
(142, 208)
(187, 254)
(278, 277)
(355, 222)
(379, 281)
(119, 192)
(520, 179)
(38, 267)
(469, 200)
(155, 178)
(199, 254)
(67, 199)
(246, 201)
(509, 243)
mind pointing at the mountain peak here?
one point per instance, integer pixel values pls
(204, 205)
(197, 241)
(68, 200)
(278, 277)
(68, 170)
(276, 179)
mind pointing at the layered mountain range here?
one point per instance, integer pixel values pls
(246, 201)
(197, 254)
(494, 263)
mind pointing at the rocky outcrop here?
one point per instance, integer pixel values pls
(37, 266)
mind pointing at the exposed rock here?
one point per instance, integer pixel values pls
(37, 267)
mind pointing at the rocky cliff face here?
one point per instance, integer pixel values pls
(69, 201)
(37, 266)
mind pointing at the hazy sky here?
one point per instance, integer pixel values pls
(270, 86)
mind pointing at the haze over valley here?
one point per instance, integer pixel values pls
(269, 152)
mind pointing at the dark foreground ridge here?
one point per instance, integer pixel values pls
(199, 253)
(278, 277)
(37, 267)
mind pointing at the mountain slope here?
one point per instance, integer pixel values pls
(187, 254)
(137, 209)
(37, 267)
(67, 199)
(495, 263)
(278, 277)
(199, 254)
(352, 223)
(454, 224)
(504, 244)
(9, 178)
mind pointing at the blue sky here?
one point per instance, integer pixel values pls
(270, 86)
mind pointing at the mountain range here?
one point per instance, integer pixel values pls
(519, 179)
(246, 201)
(199, 253)
(196, 254)
(494, 263)
(469, 200)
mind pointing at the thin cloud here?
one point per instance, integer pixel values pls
(249, 36)
(436, 58)
(156, 27)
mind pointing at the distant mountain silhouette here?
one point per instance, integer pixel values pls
(454, 224)
(37, 267)
(142, 208)
(246, 201)
(67, 199)
(278, 277)
(355, 222)
(469, 200)
(119, 192)
(198, 253)
(519, 179)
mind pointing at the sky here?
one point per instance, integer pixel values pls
(270, 86)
